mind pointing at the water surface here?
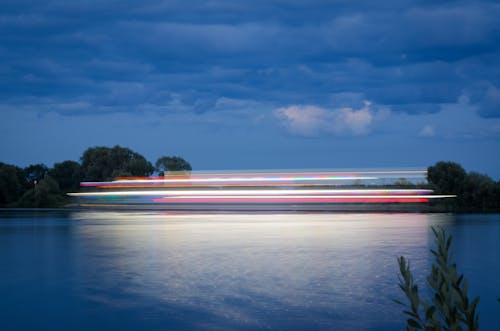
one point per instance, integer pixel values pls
(168, 271)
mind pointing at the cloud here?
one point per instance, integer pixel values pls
(427, 132)
(455, 122)
(411, 56)
(487, 97)
(313, 120)
(303, 120)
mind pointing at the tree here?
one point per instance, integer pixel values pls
(446, 177)
(12, 184)
(496, 195)
(105, 163)
(450, 307)
(403, 183)
(45, 193)
(474, 191)
(35, 172)
(479, 191)
(172, 164)
(67, 174)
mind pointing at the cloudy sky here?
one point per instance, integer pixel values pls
(272, 84)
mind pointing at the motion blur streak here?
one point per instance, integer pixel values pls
(261, 188)
(258, 192)
(255, 178)
(289, 200)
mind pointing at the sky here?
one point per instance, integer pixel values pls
(271, 84)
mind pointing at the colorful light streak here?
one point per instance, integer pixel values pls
(279, 192)
(300, 200)
(255, 188)
(253, 178)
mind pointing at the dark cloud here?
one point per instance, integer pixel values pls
(487, 96)
(123, 56)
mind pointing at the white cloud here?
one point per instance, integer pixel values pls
(312, 120)
(302, 120)
(427, 131)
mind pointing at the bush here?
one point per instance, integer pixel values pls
(450, 307)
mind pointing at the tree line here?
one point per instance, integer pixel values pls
(474, 191)
(38, 186)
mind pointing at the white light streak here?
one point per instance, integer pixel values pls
(270, 197)
(246, 192)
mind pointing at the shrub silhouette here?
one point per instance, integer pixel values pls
(450, 307)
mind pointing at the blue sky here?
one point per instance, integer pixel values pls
(269, 84)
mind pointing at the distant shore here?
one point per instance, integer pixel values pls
(332, 208)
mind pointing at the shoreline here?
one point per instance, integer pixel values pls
(364, 209)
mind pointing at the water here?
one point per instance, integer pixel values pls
(161, 271)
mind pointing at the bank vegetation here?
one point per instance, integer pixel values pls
(38, 186)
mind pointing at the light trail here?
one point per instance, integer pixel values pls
(304, 197)
(254, 177)
(276, 200)
(258, 188)
(251, 192)
(220, 180)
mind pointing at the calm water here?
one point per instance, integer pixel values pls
(160, 271)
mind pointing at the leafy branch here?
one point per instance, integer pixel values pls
(450, 307)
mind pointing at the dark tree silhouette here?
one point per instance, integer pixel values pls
(446, 177)
(474, 191)
(172, 164)
(12, 184)
(104, 163)
(67, 174)
(35, 172)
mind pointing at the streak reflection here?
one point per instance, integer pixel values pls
(251, 271)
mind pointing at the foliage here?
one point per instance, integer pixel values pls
(12, 184)
(403, 183)
(35, 172)
(171, 164)
(67, 174)
(478, 191)
(474, 191)
(45, 193)
(38, 186)
(450, 307)
(447, 177)
(104, 163)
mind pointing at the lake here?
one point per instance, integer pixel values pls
(85, 270)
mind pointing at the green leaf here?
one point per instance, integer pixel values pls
(465, 287)
(459, 280)
(412, 314)
(474, 303)
(448, 243)
(413, 323)
(430, 312)
(434, 230)
(398, 302)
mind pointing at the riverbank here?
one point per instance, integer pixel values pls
(254, 208)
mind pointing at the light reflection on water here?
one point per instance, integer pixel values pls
(222, 271)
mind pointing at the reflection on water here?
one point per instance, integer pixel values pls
(224, 271)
